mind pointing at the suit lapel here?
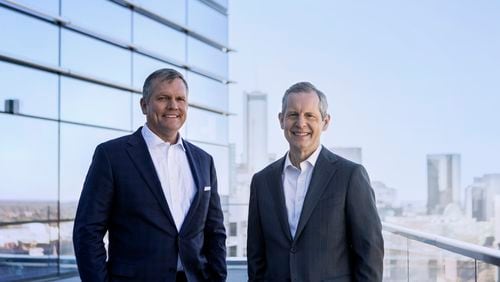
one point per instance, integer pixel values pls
(139, 154)
(275, 184)
(195, 164)
(323, 172)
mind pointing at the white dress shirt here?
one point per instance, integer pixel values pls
(172, 167)
(295, 184)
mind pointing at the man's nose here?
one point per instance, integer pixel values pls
(172, 104)
(301, 121)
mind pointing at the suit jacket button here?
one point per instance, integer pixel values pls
(293, 250)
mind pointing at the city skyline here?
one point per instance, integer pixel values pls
(403, 80)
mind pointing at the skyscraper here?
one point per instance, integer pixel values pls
(443, 182)
(480, 198)
(256, 131)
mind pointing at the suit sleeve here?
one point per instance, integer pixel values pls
(256, 257)
(364, 228)
(91, 221)
(215, 233)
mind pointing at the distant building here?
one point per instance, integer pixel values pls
(256, 155)
(353, 154)
(443, 182)
(480, 197)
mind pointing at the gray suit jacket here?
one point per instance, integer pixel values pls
(338, 238)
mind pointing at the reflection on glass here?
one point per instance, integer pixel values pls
(207, 21)
(28, 194)
(28, 163)
(37, 98)
(207, 92)
(28, 250)
(77, 148)
(206, 126)
(95, 58)
(28, 38)
(94, 104)
(207, 57)
(221, 160)
(173, 10)
(159, 38)
(106, 17)
(144, 66)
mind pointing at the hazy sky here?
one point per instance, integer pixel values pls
(403, 78)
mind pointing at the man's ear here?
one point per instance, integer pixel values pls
(143, 106)
(327, 121)
(281, 119)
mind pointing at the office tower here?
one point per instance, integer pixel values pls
(353, 154)
(481, 194)
(71, 78)
(443, 182)
(256, 131)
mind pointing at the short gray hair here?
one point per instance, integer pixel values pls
(306, 87)
(160, 75)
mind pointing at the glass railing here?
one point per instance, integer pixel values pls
(410, 255)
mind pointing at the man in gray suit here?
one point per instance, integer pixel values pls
(312, 214)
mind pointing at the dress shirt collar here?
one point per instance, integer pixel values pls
(311, 160)
(153, 140)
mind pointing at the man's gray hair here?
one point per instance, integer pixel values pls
(306, 87)
(159, 76)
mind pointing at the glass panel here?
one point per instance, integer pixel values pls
(207, 21)
(28, 38)
(159, 38)
(77, 148)
(94, 104)
(221, 160)
(206, 126)
(95, 58)
(395, 258)
(207, 57)
(173, 10)
(487, 272)
(28, 166)
(207, 92)
(103, 17)
(138, 118)
(429, 263)
(28, 250)
(50, 7)
(37, 98)
(144, 66)
(28, 169)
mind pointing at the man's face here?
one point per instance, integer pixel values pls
(166, 108)
(302, 123)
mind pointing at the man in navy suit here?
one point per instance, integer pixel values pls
(312, 214)
(156, 196)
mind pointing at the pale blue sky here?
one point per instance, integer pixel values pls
(403, 78)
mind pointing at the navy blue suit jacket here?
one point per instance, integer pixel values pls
(122, 195)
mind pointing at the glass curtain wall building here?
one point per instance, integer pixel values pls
(71, 74)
